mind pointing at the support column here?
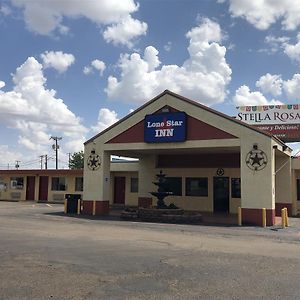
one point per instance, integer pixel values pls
(283, 179)
(96, 183)
(146, 177)
(257, 186)
(294, 193)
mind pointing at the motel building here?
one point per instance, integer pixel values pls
(213, 163)
(40, 185)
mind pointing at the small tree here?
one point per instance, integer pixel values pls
(76, 160)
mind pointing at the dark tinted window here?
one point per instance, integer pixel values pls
(58, 184)
(236, 187)
(174, 185)
(196, 186)
(134, 185)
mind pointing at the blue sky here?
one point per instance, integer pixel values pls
(71, 68)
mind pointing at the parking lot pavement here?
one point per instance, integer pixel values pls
(47, 255)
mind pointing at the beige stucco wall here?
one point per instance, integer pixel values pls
(129, 166)
(185, 202)
(283, 177)
(295, 175)
(97, 182)
(146, 174)
(131, 199)
(258, 187)
(8, 193)
(59, 195)
(195, 202)
(296, 202)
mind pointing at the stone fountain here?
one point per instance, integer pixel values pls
(162, 212)
(162, 192)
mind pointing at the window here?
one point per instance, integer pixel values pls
(58, 184)
(196, 186)
(16, 183)
(174, 185)
(134, 185)
(298, 189)
(79, 184)
(236, 187)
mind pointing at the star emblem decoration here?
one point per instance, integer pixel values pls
(220, 172)
(94, 162)
(256, 160)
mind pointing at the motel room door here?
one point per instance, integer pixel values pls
(43, 188)
(119, 190)
(30, 188)
(221, 194)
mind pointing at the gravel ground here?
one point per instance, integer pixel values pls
(47, 255)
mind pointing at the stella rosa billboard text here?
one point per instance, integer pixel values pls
(282, 121)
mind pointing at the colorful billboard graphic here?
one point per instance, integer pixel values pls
(282, 121)
(165, 127)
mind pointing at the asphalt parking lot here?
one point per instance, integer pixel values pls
(47, 255)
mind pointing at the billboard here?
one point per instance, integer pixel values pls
(282, 121)
(165, 127)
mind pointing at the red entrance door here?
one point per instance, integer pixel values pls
(43, 188)
(30, 188)
(119, 190)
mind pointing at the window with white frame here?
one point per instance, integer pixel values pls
(16, 183)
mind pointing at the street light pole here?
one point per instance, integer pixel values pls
(55, 147)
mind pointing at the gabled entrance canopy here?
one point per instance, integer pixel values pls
(208, 140)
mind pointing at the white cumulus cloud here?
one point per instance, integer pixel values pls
(203, 76)
(46, 17)
(57, 60)
(271, 84)
(106, 118)
(263, 13)
(275, 43)
(35, 111)
(292, 87)
(284, 44)
(244, 97)
(125, 31)
(2, 84)
(96, 64)
(293, 50)
(8, 155)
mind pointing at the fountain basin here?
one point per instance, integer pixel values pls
(175, 216)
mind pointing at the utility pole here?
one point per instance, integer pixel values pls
(17, 164)
(46, 161)
(55, 147)
(69, 159)
(41, 157)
